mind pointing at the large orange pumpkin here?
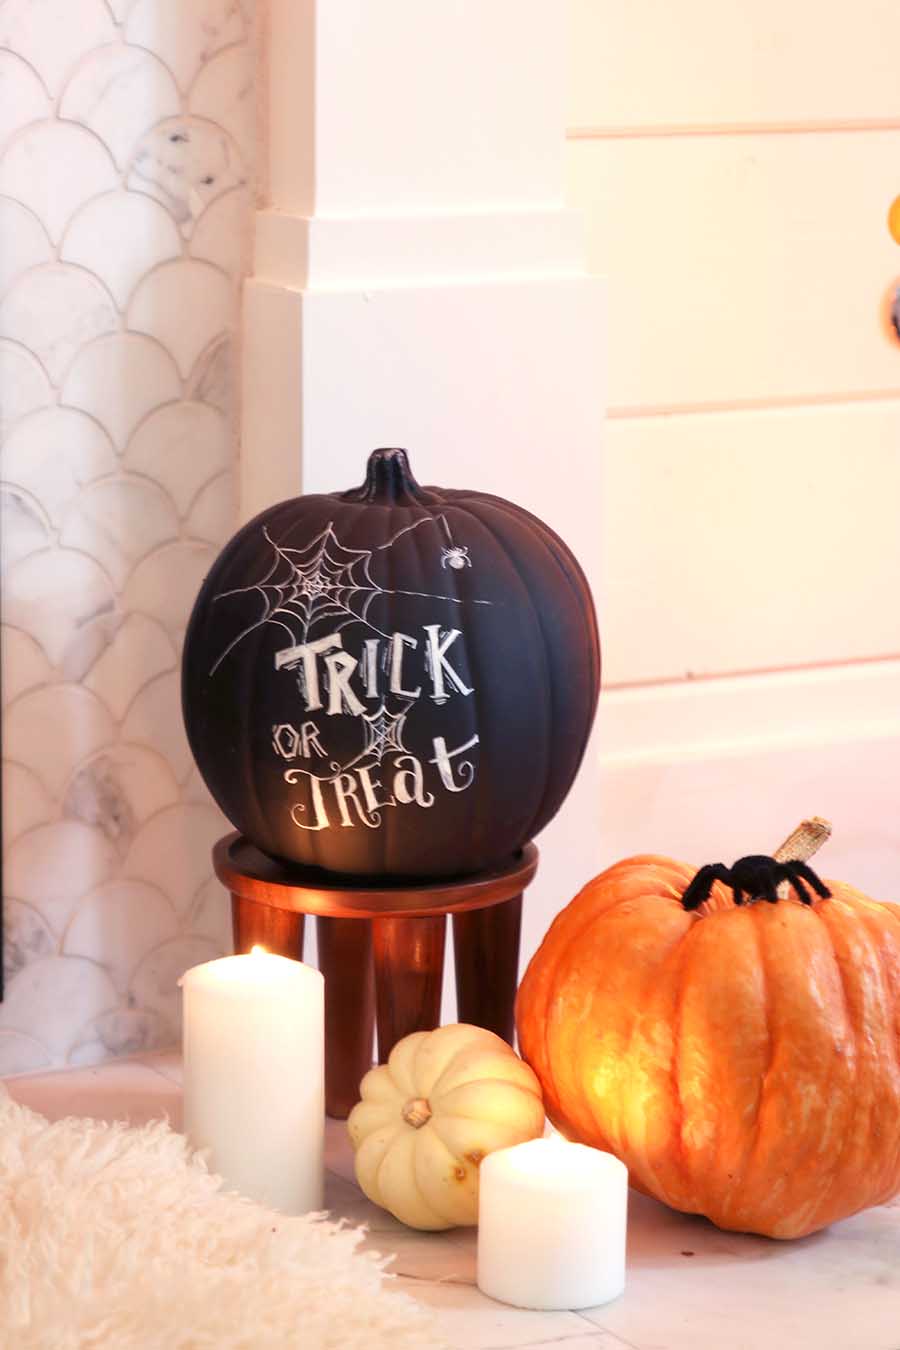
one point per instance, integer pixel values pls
(743, 1060)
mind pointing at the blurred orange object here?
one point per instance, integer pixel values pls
(894, 220)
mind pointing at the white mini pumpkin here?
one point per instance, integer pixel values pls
(444, 1100)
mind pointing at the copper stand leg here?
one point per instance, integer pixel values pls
(409, 972)
(278, 930)
(345, 959)
(486, 947)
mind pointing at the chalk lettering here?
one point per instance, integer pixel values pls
(438, 666)
(444, 758)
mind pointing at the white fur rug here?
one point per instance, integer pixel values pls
(118, 1239)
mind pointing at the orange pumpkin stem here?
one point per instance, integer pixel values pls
(802, 843)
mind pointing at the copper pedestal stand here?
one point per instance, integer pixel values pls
(382, 950)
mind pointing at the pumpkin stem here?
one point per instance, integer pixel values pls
(805, 841)
(759, 877)
(389, 481)
(416, 1112)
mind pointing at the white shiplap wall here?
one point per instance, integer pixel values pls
(736, 162)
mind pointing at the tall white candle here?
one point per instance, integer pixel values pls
(254, 1076)
(551, 1225)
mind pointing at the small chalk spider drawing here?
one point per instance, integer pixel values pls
(457, 556)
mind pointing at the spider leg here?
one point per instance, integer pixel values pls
(719, 872)
(800, 890)
(801, 869)
(699, 888)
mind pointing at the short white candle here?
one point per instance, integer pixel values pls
(254, 1076)
(551, 1225)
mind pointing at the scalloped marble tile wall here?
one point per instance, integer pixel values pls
(126, 142)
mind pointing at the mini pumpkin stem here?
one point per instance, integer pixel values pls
(416, 1112)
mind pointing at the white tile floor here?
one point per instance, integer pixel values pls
(690, 1287)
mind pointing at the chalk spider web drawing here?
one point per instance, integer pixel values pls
(382, 735)
(304, 587)
(383, 732)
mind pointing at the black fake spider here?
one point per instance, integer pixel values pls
(758, 877)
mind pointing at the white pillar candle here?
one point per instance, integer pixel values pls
(551, 1225)
(254, 1076)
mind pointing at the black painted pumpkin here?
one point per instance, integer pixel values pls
(395, 680)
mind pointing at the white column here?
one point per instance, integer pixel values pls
(419, 282)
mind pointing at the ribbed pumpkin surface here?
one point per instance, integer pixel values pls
(743, 1062)
(444, 1100)
(395, 681)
